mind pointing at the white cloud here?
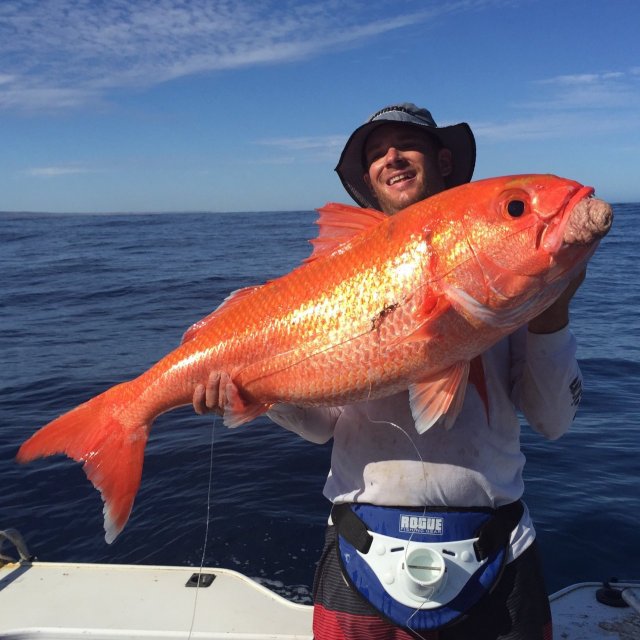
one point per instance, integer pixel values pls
(569, 106)
(303, 148)
(554, 126)
(602, 90)
(17, 94)
(56, 171)
(64, 53)
(323, 143)
(276, 160)
(581, 79)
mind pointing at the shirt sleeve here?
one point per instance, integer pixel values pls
(315, 424)
(546, 380)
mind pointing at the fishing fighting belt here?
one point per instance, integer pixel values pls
(423, 568)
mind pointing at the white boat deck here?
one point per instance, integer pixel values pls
(129, 602)
(64, 600)
(577, 614)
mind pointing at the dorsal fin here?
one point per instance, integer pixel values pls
(339, 223)
(230, 300)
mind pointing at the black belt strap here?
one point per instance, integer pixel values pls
(495, 533)
(492, 535)
(350, 527)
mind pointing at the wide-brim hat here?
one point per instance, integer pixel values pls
(458, 138)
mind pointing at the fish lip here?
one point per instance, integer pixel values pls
(553, 233)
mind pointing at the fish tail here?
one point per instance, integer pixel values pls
(109, 441)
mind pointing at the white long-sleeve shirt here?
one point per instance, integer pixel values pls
(379, 458)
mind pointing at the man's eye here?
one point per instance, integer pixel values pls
(372, 156)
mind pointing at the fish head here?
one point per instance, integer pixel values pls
(519, 240)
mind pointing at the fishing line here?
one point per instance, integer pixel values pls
(424, 509)
(206, 529)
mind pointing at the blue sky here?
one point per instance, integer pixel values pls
(238, 105)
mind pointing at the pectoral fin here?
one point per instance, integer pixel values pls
(438, 396)
(479, 314)
(433, 307)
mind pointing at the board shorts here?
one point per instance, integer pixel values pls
(516, 609)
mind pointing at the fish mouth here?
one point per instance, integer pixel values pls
(553, 234)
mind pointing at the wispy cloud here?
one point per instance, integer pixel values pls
(65, 53)
(579, 79)
(603, 90)
(322, 144)
(56, 171)
(302, 148)
(571, 105)
(329, 143)
(539, 126)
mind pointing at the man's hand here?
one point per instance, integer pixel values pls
(212, 397)
(556, 316)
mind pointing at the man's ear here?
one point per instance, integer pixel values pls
(445, 162)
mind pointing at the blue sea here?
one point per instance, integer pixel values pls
(87, 301)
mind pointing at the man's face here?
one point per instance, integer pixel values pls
(405, 166)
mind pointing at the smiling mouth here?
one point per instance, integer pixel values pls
(401, 177)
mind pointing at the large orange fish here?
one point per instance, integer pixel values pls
(382, 304)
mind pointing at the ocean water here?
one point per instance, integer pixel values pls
(87, 301)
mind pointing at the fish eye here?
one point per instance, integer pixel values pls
(515, 208)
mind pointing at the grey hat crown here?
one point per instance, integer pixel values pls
(458, 138)
(405, 112)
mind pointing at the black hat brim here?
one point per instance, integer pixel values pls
(458, 138)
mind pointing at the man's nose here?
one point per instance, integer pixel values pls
(393, 156)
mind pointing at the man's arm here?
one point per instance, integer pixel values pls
(315, 424)
(547, 382)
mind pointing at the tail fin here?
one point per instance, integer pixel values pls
(110, 446)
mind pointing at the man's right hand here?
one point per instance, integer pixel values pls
(212, 396)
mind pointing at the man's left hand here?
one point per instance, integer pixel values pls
(556, 316)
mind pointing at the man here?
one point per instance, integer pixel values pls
(380, 463)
